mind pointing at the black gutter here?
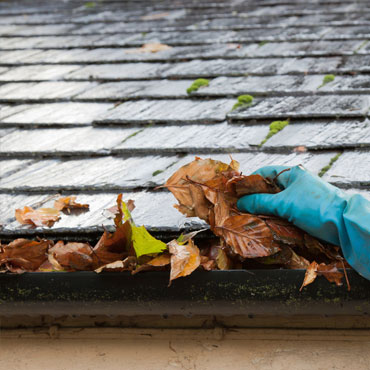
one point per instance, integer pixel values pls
(237, 292)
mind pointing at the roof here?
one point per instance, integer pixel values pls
(83, 113)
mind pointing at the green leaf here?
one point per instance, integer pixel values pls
(144, 243)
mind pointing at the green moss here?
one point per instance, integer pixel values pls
(243, 101)
(262, 43)
(275, 127)
(197, 84)
(155, 173)
(327, 168)
(90, 4)
(326, 80)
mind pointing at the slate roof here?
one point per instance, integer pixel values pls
(82, 114)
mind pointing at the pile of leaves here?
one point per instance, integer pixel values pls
(205, 188)
(209, 189)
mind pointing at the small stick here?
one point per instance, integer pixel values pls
(345, 274)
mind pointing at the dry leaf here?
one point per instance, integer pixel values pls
(185, 258)
(74, 256)
(37, 217)
(248, 236)
(330, 272)
(128, 264)
(155, 16)
(68, 204)
(24, 255)
(152, 47)
(154, 264)
(310, 276)
(114, 246)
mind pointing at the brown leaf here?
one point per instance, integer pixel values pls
(24, 255)
(155, 16)
(284, 231)
(185, 258)
(74, 256)
(68, 204)
(152, 47)
(248, 236)
(330, 272)
(185, 185)
(114, 246)
(37, 217)
(157, 262)
(310, 276)
(207, 263)
(297, 262)
(253, 184)
(128, 264)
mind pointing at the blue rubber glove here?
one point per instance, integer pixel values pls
(318, 208)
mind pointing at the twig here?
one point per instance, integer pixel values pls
(345, 274)
(274, 179)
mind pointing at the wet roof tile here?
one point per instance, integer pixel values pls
(83, 110)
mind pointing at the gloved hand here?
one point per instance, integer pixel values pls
(318, 208)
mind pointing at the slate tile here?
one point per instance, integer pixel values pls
(169, 111)
(250, 162)
(146, 213)
(205, 68)
(35, 30)
(194, 138)
(345, 32)
(63, 141)
(359, 63)
(258, 66)
(137, 89)
(327, 134)
(351, 169)
(312, 48)
(54, 114)
(284, 85)
(17, 56)
(105, 173)
(10, 166)
(305, 107)
(43, 90)
(128, 71)
(37, 72)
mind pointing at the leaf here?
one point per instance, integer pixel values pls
(143, 242)
(74, 256)
(248, 236)
(185, 185)
(222, 260)
(155, 263)
(152, 47)
(68, 204)
(183, 238)
(310, 276)
(253, 184)
(128, 264)
(114, 246)
(185, 258)
(24, 255)
(207, 263)
(331, 273)
(155, 16)
(37, 218)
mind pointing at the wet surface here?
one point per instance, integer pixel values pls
(83, 112)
